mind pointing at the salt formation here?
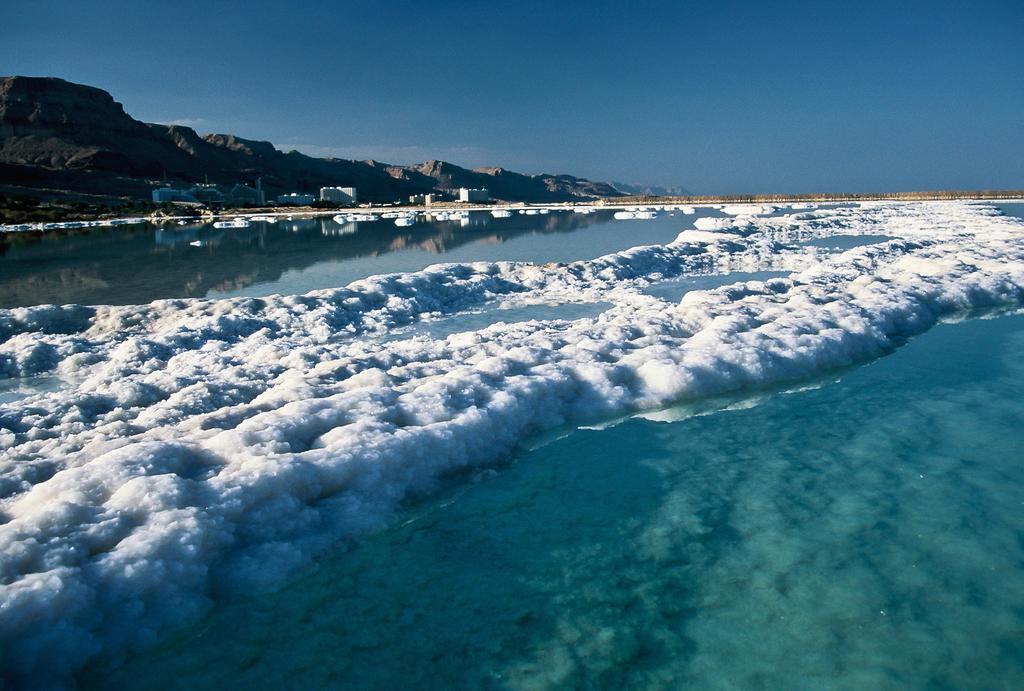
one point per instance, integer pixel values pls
(203, 447)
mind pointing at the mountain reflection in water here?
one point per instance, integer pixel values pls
(138, 264)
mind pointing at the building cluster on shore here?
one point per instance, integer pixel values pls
(215, 196)
(212, 195)
(463, 194)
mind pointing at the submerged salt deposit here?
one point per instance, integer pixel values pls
(205, 446)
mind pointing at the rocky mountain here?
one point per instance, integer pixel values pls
(57, 135)
(651, 190)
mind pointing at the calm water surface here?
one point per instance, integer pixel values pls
(846, 242)
(142, 263)
(479, 319)
(865, 532)
(139, 264)
(674, 289)
(1015, 209)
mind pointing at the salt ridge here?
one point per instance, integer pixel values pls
(207, 447)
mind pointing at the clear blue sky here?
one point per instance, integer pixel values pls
(715, 96)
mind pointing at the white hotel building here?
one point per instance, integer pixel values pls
(338, 195)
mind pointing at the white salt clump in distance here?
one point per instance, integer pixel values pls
(748, 209)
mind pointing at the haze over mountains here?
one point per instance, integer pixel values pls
(57, 136)
(653, 190)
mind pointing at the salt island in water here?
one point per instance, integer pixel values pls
(240, 467)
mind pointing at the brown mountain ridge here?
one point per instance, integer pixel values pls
(58, 135)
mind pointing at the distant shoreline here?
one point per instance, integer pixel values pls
(79, 222)
(821, 197)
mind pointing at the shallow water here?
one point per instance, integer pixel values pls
(846, 242)
(140, 263)
(863, 533)
(17, 388)
(674, 290)
(473, 321)
(1015, 209)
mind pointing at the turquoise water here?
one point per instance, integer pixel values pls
(866, 531)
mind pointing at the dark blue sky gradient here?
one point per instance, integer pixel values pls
(716, 96)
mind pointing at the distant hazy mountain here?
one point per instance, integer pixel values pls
(56, 135)
(651, 190)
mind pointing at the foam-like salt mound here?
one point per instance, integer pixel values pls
(748, 209)
(205, 446)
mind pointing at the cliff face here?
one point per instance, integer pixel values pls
(57, 133)
(53, 123)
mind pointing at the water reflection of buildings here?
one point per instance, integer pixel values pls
(301, 225)
(177, 236)
(336, 229)
(476, 219)
(144, 263)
